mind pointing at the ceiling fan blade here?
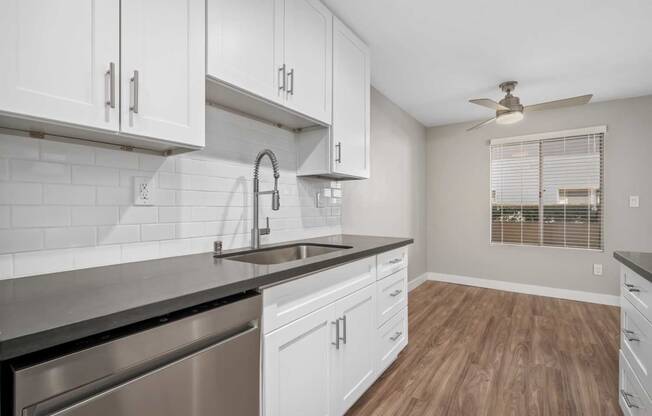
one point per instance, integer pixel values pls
(477, 126)
(486, 102)
(566, 102)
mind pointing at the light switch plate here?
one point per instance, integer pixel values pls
(633, 201)
(597, 269)
(143, 190)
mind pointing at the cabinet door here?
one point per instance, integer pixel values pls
(308, 28)
(355, 361)
(351, 102)
(163, 69)
(245, 45)
(55, 57)
(298, 366)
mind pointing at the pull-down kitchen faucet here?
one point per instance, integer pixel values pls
(255, 231)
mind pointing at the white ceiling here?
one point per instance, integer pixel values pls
(431, 56)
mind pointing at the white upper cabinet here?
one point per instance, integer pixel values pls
(163, 69)
(351, 102)
(278, 50)
(245, 45)
(68, 68)
(308, 55)
(57, 57)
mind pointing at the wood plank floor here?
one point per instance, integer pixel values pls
(475, 351)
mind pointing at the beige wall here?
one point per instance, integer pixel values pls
(393, 201)
(458, 199)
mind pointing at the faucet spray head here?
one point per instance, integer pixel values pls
(276, 203)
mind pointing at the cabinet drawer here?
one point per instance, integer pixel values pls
(392, 261)
(393, 337)
(391, 296)
(637, 290)
(631, 396)
(289, 301)
(636, 342)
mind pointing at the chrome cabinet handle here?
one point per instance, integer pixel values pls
(626, 397)
(281, 72)
(630, 335)
(396, 336)
(633, 289)
(629, 285)
(395, 293)
(339, 152)
(134, 93)
(395, 261)
(337, 333)
(344, 329)
(110, 74)
(290, 90)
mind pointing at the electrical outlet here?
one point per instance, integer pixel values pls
(597, 269)
(143, 190)
(633, 201)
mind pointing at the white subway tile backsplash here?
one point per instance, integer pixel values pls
(4, 170)
(154, 232)
(14, 241)
(114, 196)
(39, 262)
(5, 217)
(39, 216)
(116, 159)
(21, 193)
(67, 153)
(94, 215)
(45, 172)
(156, 163)
(138, 215)
(140, 251)
(95, 175)
(118, 234)
(70, 237)
(68, 195)
(97, 256)
(18, 147)
(6, 266)
(74, 207)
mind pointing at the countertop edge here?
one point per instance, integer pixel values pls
(622, 257)
(13, 348)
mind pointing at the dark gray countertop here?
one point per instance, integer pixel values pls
(43, 311)
(641, 263)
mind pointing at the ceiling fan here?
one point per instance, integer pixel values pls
(509, 110)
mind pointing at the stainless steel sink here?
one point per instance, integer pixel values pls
(277, 255)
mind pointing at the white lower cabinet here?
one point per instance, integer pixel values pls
(324, 342)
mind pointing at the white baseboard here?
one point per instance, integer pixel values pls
(551, 292)
(414, 283)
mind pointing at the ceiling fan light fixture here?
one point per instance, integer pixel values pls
(510, 117)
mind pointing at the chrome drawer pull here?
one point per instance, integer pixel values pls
(630, 335)
(396, 336)
(394, 261)
(626, 397)
(337, 333)
(395, 293)
(633, 289)
(629, 285)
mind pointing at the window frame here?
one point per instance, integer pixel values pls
(539, 137)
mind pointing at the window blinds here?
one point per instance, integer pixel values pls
(548, 191)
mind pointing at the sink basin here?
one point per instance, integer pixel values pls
(277, 255)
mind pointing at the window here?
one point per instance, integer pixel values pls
(547, 190)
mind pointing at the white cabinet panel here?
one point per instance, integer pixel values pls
(55, 56)
(308, 28)
(351, 103)
(390, 262)
(163, 42)
(393, 337)
(298, 361)
(245, 45)
(355, 359)
(392, 295)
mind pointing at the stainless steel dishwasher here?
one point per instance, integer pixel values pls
(200, 362)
